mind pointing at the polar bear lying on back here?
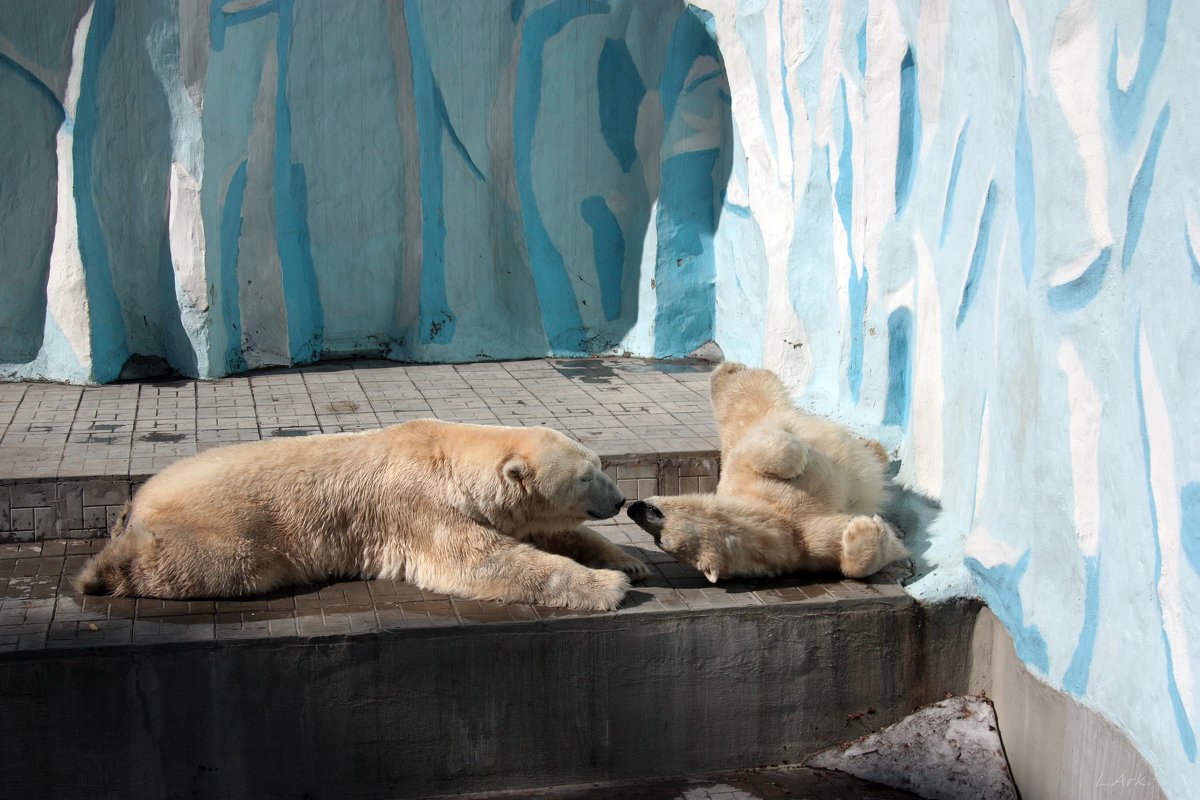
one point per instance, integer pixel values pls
(484, 512)
(797, 492)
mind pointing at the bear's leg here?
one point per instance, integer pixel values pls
(868, 545)
(590, 549)
(482, 564)
(181, 565)
(770, 450)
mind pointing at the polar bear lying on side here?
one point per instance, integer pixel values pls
(483, 512)
(797, 492)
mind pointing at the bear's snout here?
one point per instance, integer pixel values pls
(603, 509)
(620, 503)
(649, 518)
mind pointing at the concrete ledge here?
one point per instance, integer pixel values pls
(421, 711)
(39, 610)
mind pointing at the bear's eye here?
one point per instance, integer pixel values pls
(586, 478)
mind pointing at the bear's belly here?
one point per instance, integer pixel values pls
(384, 562)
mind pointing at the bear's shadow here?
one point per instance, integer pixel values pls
(915, 515)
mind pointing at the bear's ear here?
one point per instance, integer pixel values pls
(515, 469)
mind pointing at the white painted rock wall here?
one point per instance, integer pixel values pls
(241, 184)
(971, 229)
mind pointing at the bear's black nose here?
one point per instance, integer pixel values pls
(648, 517)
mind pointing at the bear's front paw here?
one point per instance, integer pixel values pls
(635, 568)
(603, 590)
(585, 588)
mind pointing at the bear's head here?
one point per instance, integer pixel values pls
(557, 481)
(717, 534)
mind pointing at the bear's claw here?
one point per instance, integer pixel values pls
(635, 568)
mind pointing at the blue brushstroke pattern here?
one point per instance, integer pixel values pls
(1139, 196)
(857, 296)
(899, 391)
(220, 21)
(685, 269)
(608, 249)
(1126, 106)
(861, 41)
(1023, 182)
(1000, 587)
(306, 319)
(448, 127)
(1191, 252)
(752, 30)
(690, 39)
(28, 208)
(109, 347)
(1077, 293)
(952, 185)
(843, 192)
(555, 295)
(1187, 736)
(787, 100)
(696, 83)
(437, 322)
(1075, 679)
(1189, 530)
(909, 134)
(1025, 195)
(978, 257)
(42, 89)
(231, 231)
(516, 10)
(620, 89)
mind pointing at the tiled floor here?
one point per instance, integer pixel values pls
(615, 406)
(54, 438)
(39, 610)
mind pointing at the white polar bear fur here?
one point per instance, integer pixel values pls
(797, 492)
(482, 512)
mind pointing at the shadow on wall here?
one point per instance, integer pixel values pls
(266, 183)
(916, 515)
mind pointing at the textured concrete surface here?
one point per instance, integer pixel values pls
(780, 783)
(615, 406)
(1056, 746)
(435, 710)
(39, 610)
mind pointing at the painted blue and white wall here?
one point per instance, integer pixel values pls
(230, 184)
(973, 229)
